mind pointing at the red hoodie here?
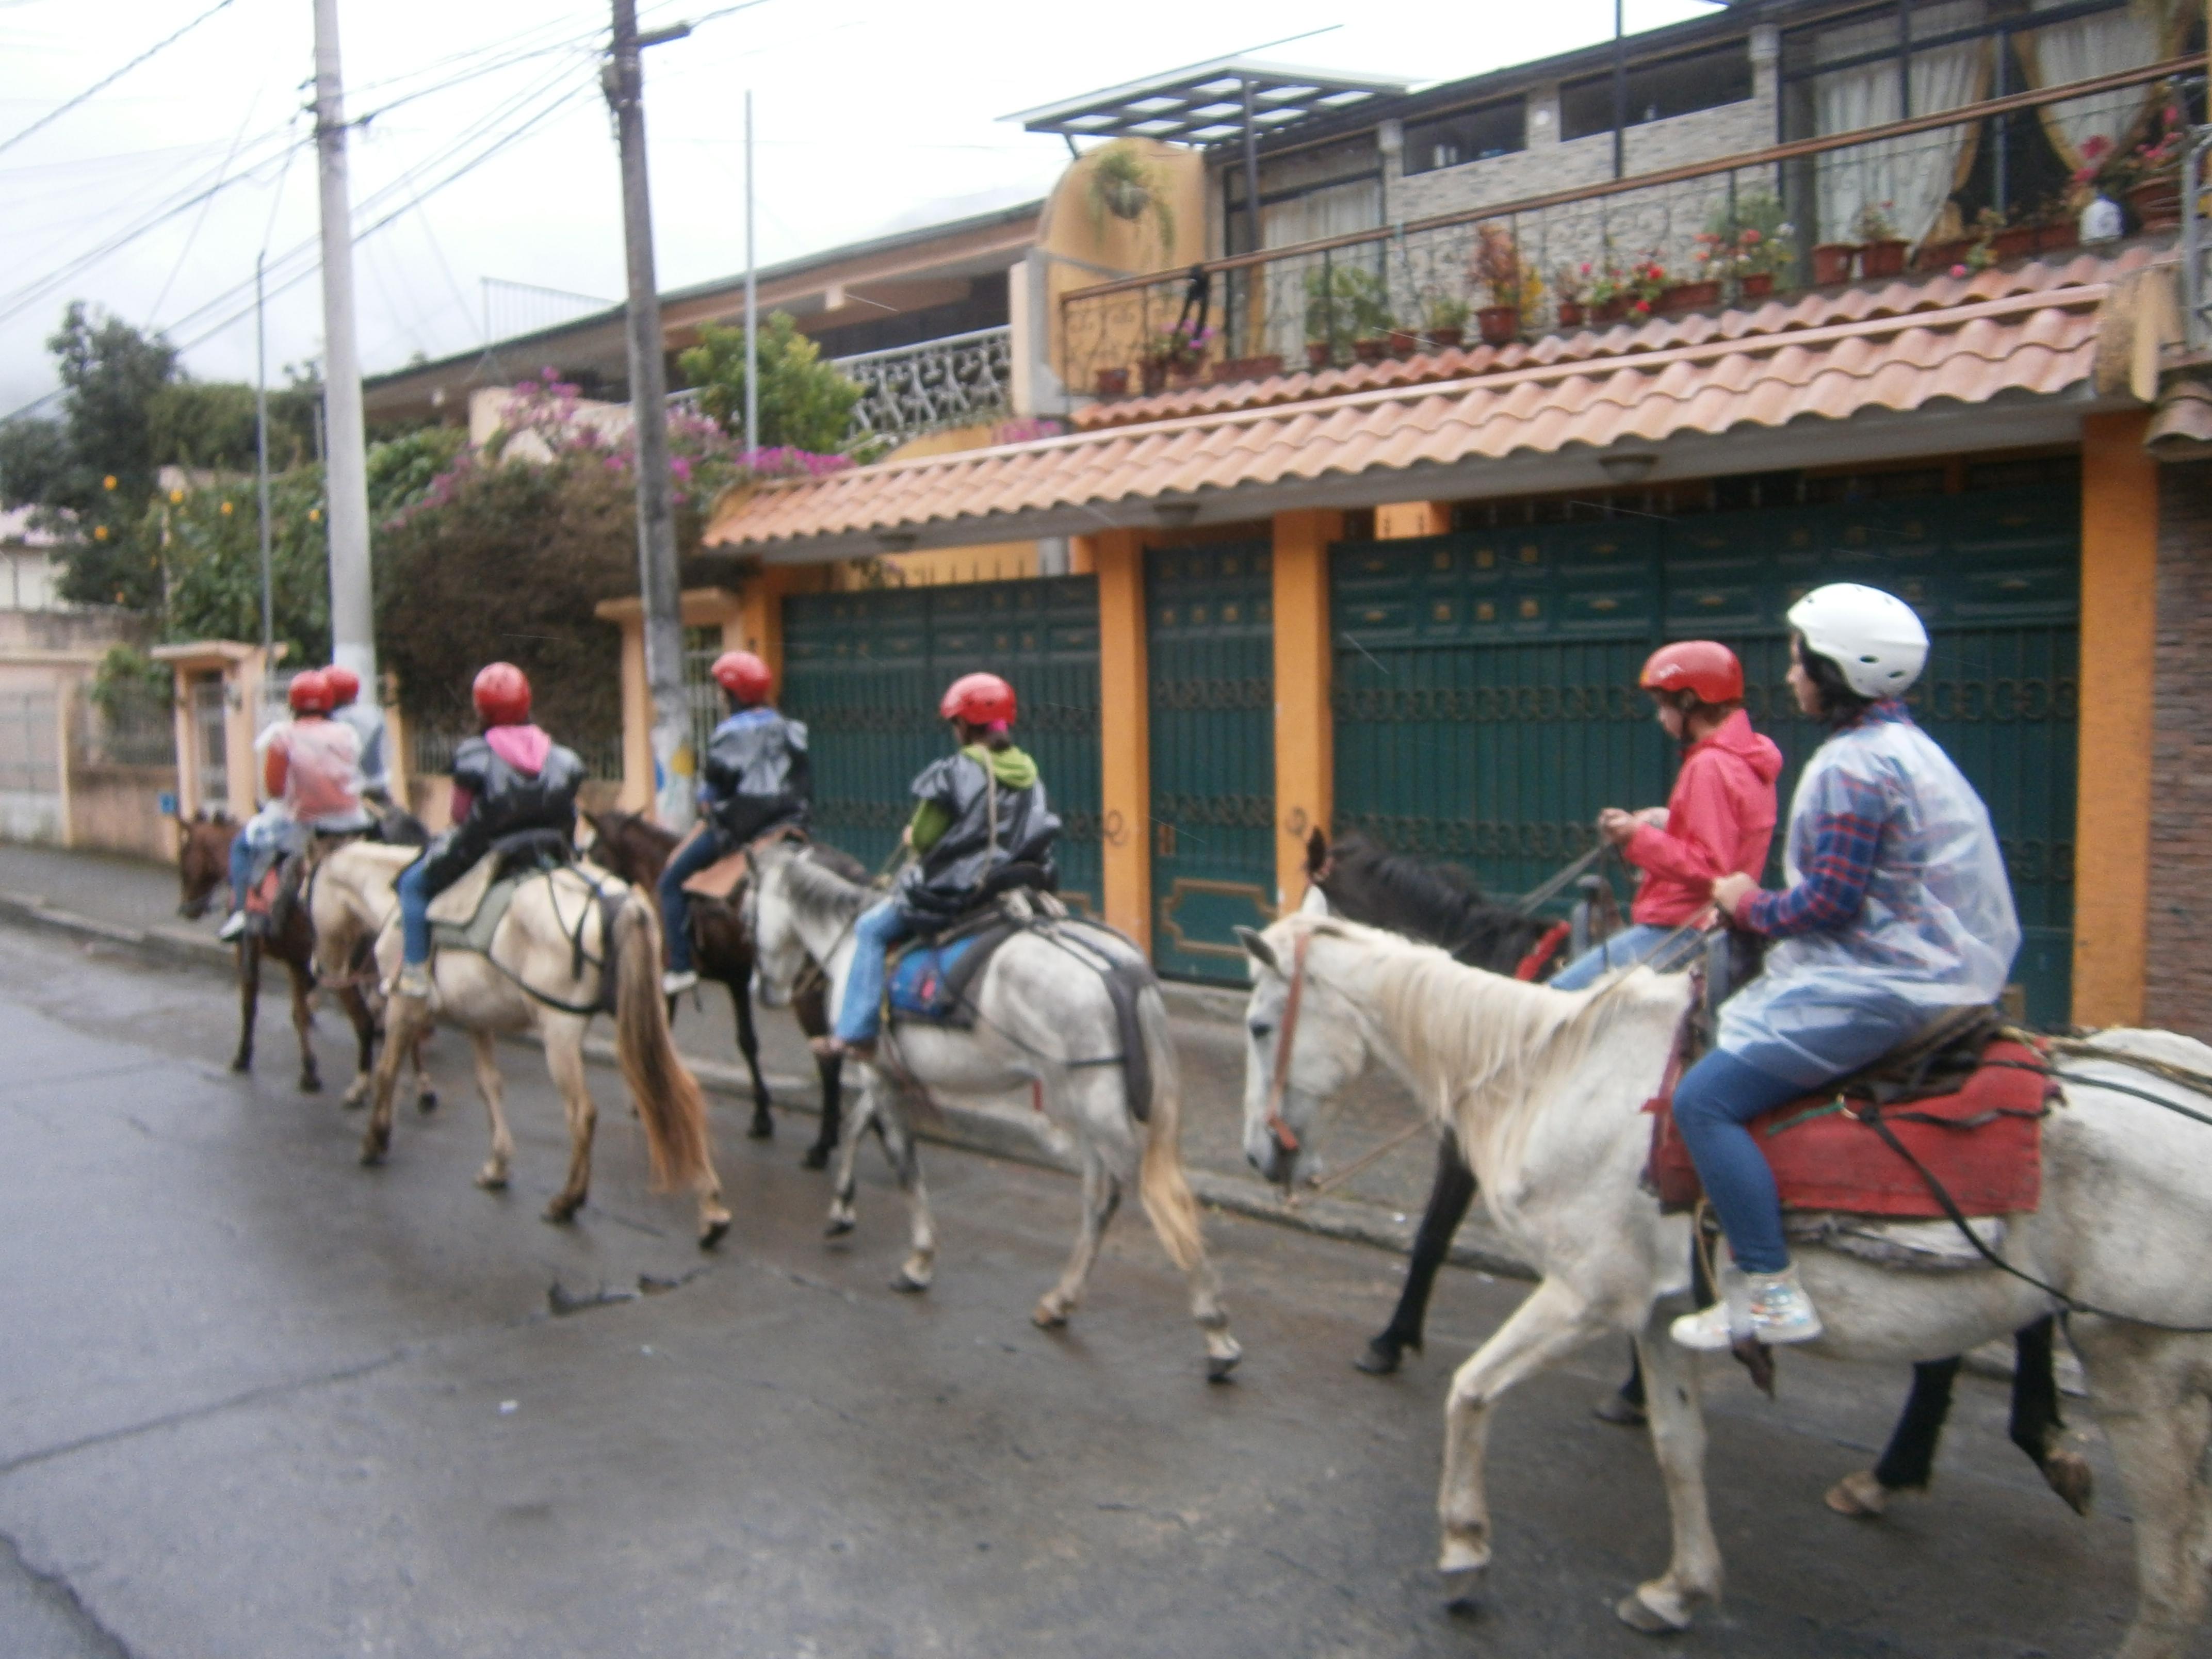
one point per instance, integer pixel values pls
(1719, 819)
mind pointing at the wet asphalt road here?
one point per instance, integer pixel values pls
(257, 1401)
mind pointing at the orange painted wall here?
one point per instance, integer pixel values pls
(1305, 754)
(1117, 557)
(2119, 622)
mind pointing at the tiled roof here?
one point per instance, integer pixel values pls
(2030, 331)
(2182, 428)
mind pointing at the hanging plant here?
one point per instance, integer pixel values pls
(1126, 186)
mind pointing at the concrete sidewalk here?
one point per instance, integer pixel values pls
(131, 903)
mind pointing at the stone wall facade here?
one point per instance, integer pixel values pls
(2177, 992)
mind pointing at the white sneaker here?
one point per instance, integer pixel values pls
(414, 981)
(233, 926)
(1769, 1308)
(676, 981)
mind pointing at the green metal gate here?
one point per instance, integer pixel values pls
(1210, 647)
(865, 670)
(1485, 681)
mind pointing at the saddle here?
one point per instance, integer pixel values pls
(720, 879)
(1956, 1113)
(466, 915)
(271, 890)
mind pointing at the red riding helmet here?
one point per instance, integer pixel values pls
(345, 684)
(979, 699)
(309, 693)
(502, 695)
(743, 676)
(1707, 670)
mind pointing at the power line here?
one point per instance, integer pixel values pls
(53, 115)
(206, 207)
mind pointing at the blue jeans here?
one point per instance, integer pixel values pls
(860, 1015)
(690, 859)
(1631, 944)
(241, 869)
(1715, 1098)
(414, 913)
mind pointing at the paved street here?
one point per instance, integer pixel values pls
(259, 1400)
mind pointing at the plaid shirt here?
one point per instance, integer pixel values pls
(1846, 835)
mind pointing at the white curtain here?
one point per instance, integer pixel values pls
(1914, 175)
(2075, 50)
(1334, 210)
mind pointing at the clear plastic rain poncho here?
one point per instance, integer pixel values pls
(1936, 929)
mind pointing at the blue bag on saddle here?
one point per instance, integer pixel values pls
(923, 985)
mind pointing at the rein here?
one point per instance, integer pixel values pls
(1286, 1139)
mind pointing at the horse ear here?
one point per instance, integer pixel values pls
(1316, 851)
(1258, 949)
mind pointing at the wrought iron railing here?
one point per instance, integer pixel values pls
(954, 381)
(1722, 232)
(2196, 238)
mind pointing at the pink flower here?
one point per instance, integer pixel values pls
(1957, 270)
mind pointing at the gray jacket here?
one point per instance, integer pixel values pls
(993, 826)
(367, 723)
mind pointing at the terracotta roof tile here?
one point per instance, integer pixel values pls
(2031, 331)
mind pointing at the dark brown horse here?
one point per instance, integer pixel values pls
(203, 865)
(636, 849)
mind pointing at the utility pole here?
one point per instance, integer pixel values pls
(345, 478)
(752, 297)
(674, 766)
(261, 453)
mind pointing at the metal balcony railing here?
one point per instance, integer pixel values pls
(2197, 239)
(954, 381)
(1722, 232)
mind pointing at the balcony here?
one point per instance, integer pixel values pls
(955, 381)
(1732, 232)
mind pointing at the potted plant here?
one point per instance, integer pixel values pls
(1404, 342)
(1444, 320)
(1125, 185)
(1762, 255)
(1495, 266)
(1175, 353)
(2153, 172)
(1344, 304)
(1113, 382)
(1571, 283)
(1626, 293)
(1882, 250)
(2055, 225)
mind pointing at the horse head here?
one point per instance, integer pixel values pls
(1304, 1042)
(203, 858)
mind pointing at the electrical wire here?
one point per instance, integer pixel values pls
(55, 114)
(154, 311)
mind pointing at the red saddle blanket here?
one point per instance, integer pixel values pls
(1984, 1145)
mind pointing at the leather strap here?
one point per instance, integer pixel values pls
(1285, 1138)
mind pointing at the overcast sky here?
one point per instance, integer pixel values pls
(868, 115)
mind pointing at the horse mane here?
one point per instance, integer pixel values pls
(1480, 1047)
(1439, 904)
(822, 892)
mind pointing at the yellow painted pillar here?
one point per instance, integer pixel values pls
(1117, 557)
(1305, 750)
(2119, 626)
(757, 624)
(637, 722)
(1402, 520)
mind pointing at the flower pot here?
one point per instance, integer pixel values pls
(1155, 377)
(1571, 313)
(1113, 382)
(1879, 259)
(1320, 353)
(1125, 198)
(1447, 339)
(2156, 204)
(2059, 235)
(1941, 255)
(1689, 296)
(1832, 263)
(1184, 376)
(1245, 368)
(1370, 352)
(1499, 323)
(1756, 286)
(1404, 342)
(2014, 242)
(1610, 311)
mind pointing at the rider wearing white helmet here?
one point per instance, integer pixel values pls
(1898, 908)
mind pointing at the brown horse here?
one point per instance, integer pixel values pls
(203, 867)
(636, 849)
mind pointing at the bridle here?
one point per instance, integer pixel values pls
(1286, 1139)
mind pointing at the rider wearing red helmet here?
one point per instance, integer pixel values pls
(510, 779)
(981, 809)
(311, 770)
(366, 721)
(757, 777)
(1719, 819)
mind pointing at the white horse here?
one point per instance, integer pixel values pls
(536, 946)
(1545, 1087)
(1043, 1020)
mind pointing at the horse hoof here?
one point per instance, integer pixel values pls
(1619, 1411)
(1048, 1317)
(1859, 1495)
(712, 1232)
(492, 1181)
(1462, 1582)
(372, 1153)
(1218, 1366)
(311, 1085)
(1636, 1613)
(1379, 1358)
(907, 1284)
(838, 1226)
(2071, 1477)
(817, 1157)
(562, 1214)
(427, 1102)
(242, 1063)
(763, 1128)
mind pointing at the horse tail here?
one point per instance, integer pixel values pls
(1161, 1180)
(668, 1103)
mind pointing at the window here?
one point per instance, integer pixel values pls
(1467, 135)
(1672, 86)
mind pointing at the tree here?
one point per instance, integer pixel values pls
(209, 553)
(204, 425)
(34, 456)
(805, 403)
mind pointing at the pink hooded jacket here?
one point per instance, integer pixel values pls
(1719, 819)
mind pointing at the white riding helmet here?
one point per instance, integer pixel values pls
(1873, 637)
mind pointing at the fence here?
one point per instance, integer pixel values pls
(1933, 192)
(31, 802)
